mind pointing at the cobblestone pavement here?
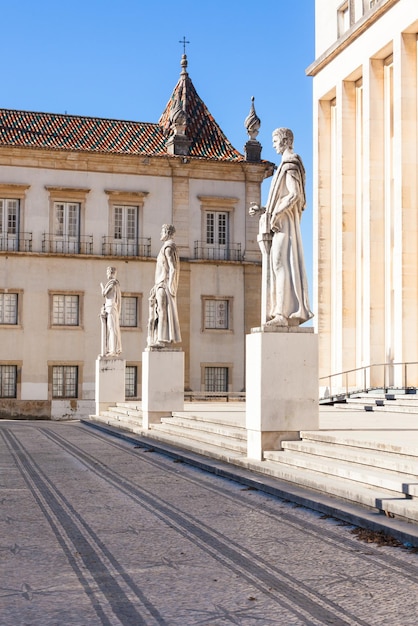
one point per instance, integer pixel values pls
(97, 531)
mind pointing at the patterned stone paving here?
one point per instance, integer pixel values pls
(97, 531)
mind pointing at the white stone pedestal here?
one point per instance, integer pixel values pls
(110, 382)
(162, 384)
(281, 386)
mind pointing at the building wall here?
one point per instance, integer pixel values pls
(168, 190)
(365, 217)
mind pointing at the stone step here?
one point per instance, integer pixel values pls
(217, 428)
(371, 497)
(382, 478)
(120, 413)
(131, 406)
(205, 438)
(367, 439)
(130, 425)
(194, 445)
(226, 418)
(392, 461)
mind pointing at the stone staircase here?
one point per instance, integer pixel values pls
(375, 468)
(354, 466)
(215, 432)
(382, 401)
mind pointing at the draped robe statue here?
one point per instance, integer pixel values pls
(110, 314)
(163, 323)
(285, 286)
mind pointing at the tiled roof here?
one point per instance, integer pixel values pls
(91, 134)
(76, 133)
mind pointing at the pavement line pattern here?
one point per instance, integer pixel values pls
(308, 528)
(121, 594)
(119, 514)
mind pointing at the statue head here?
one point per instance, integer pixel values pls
(167, 231)
(111, 271)
(282, 139)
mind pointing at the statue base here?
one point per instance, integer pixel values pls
(110, 382)
(162, 384)
(281, 386)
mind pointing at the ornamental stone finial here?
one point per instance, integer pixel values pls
(252, 124)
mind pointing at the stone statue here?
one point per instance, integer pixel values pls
(285, 300)
(110, 314)
(163, 323)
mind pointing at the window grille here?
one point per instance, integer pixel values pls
(8, 381)
(131, 378)
(8, 308)
(65, 310)
(216, 379)
(64, 381)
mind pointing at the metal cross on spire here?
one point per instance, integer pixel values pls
(184, 42)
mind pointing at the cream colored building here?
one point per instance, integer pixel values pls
(78, 194)
(365, 195)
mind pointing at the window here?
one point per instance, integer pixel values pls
(131, 378)
(64, 381)
(124, 224)
(129, 312)
(216, 313)
(67, 207)
(216, 379)
(344, 18)
(217, 231)
(65, 310)
(125, 229)
(8, 381)
(9, 224)
(66, 219)
(217, 228)
(12, 197)
(8, 308)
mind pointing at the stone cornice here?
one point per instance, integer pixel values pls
(13, 190)
(351, 35)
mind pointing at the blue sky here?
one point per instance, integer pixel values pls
(121, 59)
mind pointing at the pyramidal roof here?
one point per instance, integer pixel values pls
(185, 118)
(206, 138)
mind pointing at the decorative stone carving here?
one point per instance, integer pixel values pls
(285, 300)
(163, 323)
(110, 314)
(252, 124)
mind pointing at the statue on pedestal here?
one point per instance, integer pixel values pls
(285, 300)
(110, 314)
(163, 323)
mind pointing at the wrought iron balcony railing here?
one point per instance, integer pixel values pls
(16, 243)
(126, 247)
(66, 245)
(231, 252)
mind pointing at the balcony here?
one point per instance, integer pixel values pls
(16, 243)
(67, 245)
(126, 247)
(209, 252)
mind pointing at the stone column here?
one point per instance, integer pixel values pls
(110, 382)
(162, 384)
(281, 386)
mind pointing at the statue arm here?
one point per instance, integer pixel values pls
(172, 270)
(288, 201)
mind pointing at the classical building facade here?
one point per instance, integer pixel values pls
(365, 195)
(79, 194)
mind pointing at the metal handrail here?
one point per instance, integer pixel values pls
(141, 246)
(209, 252)
(365, 369)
